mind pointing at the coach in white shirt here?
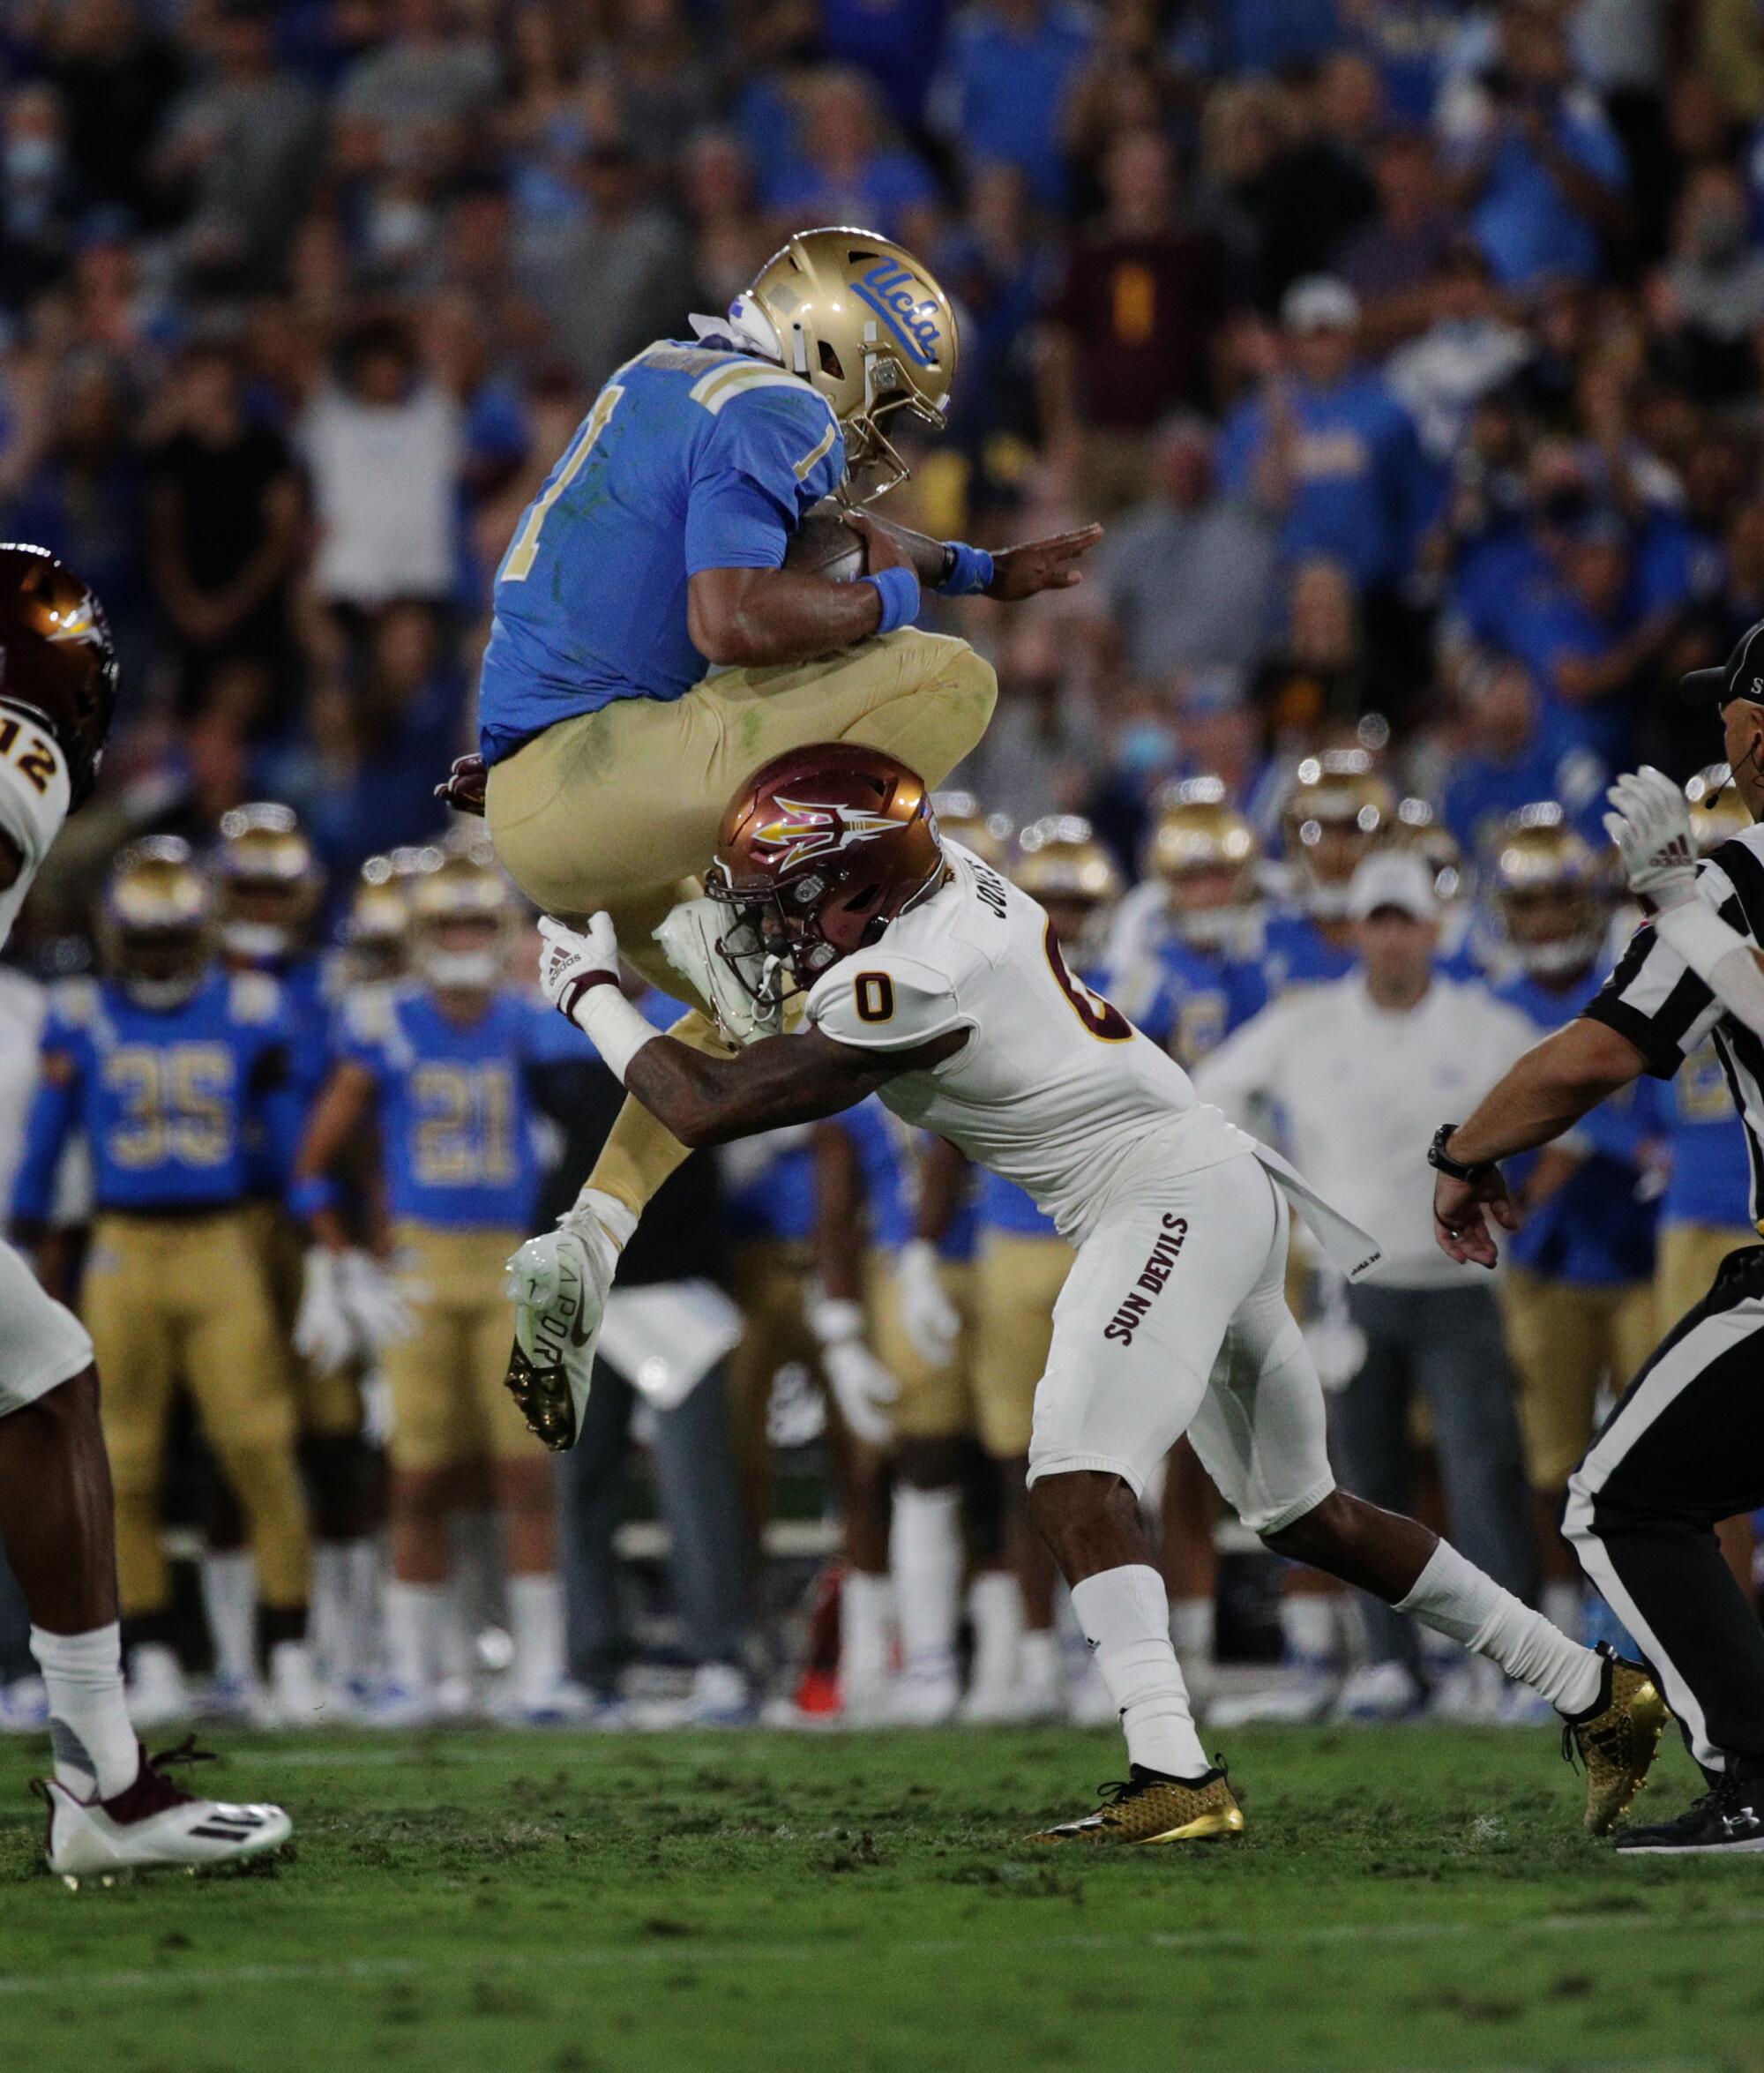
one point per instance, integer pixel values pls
(1360, 1072)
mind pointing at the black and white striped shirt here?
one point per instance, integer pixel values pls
(1666, 1011)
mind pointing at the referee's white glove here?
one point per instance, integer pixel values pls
(571, 960)
(1651, 827)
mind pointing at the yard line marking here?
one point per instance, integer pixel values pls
(685, 1951)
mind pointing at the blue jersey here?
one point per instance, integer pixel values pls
(1710, 1177)
(1595, 1228)
(1297, 952)
(692, 458)
(886, 1149)
(769, 1186)
(455, 1115)
(308, 1060)
(1198, 997)
(169, 1101)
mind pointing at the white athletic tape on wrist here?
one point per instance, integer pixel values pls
(1719, 955)
(613, 1026)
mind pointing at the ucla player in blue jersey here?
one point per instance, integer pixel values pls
(172, 1070)
(1578, 1297)
(657, 549)
(1337, 813)
(438, 1063)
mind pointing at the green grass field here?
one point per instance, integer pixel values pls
(1404, 1898)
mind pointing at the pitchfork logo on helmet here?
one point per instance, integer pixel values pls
(804, 829)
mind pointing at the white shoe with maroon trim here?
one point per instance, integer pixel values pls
(153, 1823)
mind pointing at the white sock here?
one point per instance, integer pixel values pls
(1038, 1659)
(1453, 1596)
(1190, 1628)
(536, 1611)
(1564, 1605)
(230, 1598)
(1126, 1616)
(367, 1590)
(415, 1616)
(95, 1748)
(1307, 1625)
(331, 1613)
(924, 1555)
(866, 1614)
(995, 1605)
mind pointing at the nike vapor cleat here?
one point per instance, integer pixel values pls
(1616, 1738)
(1727, 1822)
(559, 1283)
(1147, 1806)
(153, 1824)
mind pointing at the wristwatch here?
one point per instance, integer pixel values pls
(1442, 1161)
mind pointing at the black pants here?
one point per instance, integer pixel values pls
(1684, 1449)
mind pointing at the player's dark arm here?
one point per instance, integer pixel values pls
(12, 862)
(943, 1175)
(338, 1118)
(1017, 571)
(774, 1083)
(1553, 1085)
(839, 1212)
(752, 618)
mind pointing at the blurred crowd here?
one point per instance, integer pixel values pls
(1409, 351)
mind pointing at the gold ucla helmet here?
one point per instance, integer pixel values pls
(1337, 813)
(461, 915)
(269, 882)
(962, 818)
(1417, 826)
(865, 324)
(1061, 863)
(1206, 853)
(1549, 890)
(1717, 810)
(377, 927)
(156, 922)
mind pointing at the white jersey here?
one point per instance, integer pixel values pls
(34, 795)
(1055, 1089)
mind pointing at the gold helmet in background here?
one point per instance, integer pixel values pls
(1417, 826)
(269, 882)
(1717, 811)
(1337, 813)
(1551, 892)
(156, 922)
(462, 912)
(1059, 861)
(1207, 854)
(866, 324)
(377, 929)
(961, 819)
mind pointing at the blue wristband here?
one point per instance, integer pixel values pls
(899, 593)
(971, 571)
(307, 1198)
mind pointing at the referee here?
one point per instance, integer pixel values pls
(1684, 1447)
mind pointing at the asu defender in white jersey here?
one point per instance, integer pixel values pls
(110, 1806)
(933, 982)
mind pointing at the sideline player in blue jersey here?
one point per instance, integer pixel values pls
(172, 1069)
(439, 1063)
(1338, 811)
(1578, 1296)
(656, 550)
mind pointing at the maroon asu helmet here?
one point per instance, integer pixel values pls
(57, 662)
(820, 850)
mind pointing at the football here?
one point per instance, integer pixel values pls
(827, 544)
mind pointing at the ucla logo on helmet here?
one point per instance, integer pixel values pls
(888, 290)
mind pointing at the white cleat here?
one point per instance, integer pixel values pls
(1379, 1692)
(1301, 1692)
(721, 1697)
(559, 1283)
(157, 1693)
(917, 1698)
(401, 1706)
(296, 1698)
(153, 1824)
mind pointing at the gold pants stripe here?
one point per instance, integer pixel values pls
(1565, 1339)
(185, 1302)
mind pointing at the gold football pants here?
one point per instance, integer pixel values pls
(326, 1406)
(767, 1279)
(1017, 1279)
(448, 1402)
(620, 809)
(1684, 1266)
(1565, 1339)
(185, 1300)
(933, 1403)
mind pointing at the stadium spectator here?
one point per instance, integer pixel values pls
(1009, 67)
(848, 172)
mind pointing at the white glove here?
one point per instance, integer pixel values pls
(1652, 830)
(691, 936)
(861, 1385)
(930, 1321)
(569, 962)
(381, 1309)
(323, 1332)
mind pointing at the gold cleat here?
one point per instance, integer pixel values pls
(542, 1395)
(1149, 1807)
(1616, 1740)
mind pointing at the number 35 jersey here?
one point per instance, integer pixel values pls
(33, 802)
(1055, 1089)
(455, 1116)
